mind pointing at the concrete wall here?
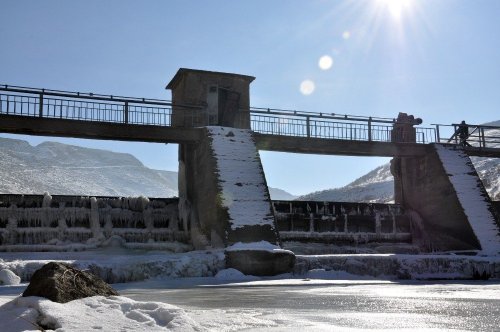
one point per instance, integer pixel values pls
(201, 200)
(422, 185)
(200, 206)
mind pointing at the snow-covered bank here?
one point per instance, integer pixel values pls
(120, 265)
(115, 313)
(391, 266)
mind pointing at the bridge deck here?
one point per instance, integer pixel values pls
(85, 115)
(15, 124)
(328, 146)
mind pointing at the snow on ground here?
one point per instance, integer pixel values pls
(241, 177)
(176, 278)
(462, 175)
(261, 245)
(113, 313)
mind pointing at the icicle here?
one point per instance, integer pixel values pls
(94, 219)
(378, 223)
(47, 200)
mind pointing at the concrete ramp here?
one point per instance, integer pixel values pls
(472, 196)
(242, 185)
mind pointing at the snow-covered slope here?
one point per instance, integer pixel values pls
(73, 170)
(280, 195)
(375, 186)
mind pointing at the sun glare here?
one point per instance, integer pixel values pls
(395, 7)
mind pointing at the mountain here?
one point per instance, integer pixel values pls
(63, 169)
(378, 185)
(281, 195)
(375, 186)
(72, 170)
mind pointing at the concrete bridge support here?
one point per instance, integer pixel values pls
(223, 195)
(444, 189)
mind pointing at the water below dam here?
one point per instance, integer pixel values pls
(325, 304)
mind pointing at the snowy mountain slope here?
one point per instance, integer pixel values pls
(72, 170)
(375, 186)
(280, 194)
(489, 168)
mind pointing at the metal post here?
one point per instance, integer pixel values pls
(438, 136)
(125, 110)
(40, 105)
(483, 141)
(370, 129)
(7, 104)
(308, 126)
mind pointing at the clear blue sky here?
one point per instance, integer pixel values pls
(438, 60)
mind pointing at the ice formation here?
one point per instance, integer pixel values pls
(69, 222)
(7, 277)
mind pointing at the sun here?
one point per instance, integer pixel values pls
(395, 7)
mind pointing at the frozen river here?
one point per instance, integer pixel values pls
(323, 305)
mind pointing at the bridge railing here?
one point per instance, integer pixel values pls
(319, 125)
(87, 107)
(481, 136)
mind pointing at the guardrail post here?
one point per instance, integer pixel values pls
(370, 129)
(40, 105)
(8, 104)
(125, 111)
(482, 139)
(308, 126)
(438, 136)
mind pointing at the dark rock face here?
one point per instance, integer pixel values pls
(260, 262)
(62, 283)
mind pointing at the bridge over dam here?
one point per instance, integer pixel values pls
(222, 187)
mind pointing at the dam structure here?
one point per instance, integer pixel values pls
(224, 200)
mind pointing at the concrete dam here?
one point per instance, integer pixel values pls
(224, 202)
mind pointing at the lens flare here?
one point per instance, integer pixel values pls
(325, 62)
(307, 87)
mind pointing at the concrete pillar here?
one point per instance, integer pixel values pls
(426, 188)
(223, 195)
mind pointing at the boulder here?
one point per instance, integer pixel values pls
(260, 262)
(62, 283)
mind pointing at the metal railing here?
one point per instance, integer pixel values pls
(57, 104)
(480, 136)
(317, 125)
(86, 107)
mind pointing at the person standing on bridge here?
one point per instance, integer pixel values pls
(463, 134)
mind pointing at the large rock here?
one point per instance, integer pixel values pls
(62, 283)
(260, 262)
